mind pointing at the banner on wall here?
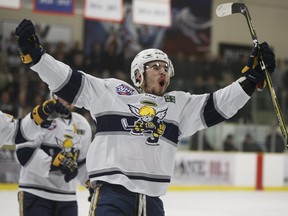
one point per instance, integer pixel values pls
(234, 52)
(156, 12)
(106, 10)
(203, 169)
(12, 4)
(64, 7)
(188, 33)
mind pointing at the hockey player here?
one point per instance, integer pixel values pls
(51, 164)
(27, 129)
(131, 159)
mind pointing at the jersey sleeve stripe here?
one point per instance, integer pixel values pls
(24, 155)
(211, 114)
(19, 137)
(70, 90)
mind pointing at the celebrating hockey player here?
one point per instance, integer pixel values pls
(21, 130)
(131, 159)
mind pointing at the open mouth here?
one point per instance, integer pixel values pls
(162, 82)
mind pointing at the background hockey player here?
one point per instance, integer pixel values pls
(128, 174)
(27, 129)
(50, 164)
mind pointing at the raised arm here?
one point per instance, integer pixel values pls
(55, 73)
(62, 80)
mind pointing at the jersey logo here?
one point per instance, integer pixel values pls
(70, 147)
(169, 98)
(124, 90)
(80, 132)
(149, 123)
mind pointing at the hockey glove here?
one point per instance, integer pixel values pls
(69, 176)
(48, 111)
(65, 165)
(268, 57)
(28, 43)
(253, 70)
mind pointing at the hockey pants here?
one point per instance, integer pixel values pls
(115, 200)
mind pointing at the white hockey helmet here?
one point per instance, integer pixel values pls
(145, 56)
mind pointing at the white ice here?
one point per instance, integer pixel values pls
(193, 203)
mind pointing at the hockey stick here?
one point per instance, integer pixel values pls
(234, 8)
(125, 124)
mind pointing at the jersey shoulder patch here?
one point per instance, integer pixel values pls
(170, 98)
(124, 90)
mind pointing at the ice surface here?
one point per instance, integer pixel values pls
(192, 203)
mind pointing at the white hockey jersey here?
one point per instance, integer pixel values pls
(35, 157)
(10, 128)
(137, 134)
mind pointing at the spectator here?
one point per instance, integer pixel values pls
(6, 77)
(7, 105)
(13, 60)
(95, 58)
(274, 141)
(113, 60)
(229, 144)
(250, 145)
(200, 142)
(180, 63)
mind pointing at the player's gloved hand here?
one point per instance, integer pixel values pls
(253, 70)
(28, 43)
(65, 165)
(268, 57)
(69, 176)
(90, 189)
(49, 110)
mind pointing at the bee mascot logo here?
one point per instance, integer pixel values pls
(69, 146)
(150, 122)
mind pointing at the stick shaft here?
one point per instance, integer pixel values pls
(271, 89)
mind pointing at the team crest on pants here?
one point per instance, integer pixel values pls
(149, 123)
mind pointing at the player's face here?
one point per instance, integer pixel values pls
(156, 78)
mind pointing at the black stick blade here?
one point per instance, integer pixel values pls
(227, 9)
(239, 8)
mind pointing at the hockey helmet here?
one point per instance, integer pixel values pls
(145, 56)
